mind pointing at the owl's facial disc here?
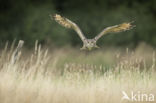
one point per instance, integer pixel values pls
(90, 44)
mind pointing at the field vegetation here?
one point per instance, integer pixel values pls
(69, 75)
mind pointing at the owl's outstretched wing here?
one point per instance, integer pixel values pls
(68, 24)
(116, 28)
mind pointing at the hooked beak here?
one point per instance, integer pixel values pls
(89, 48)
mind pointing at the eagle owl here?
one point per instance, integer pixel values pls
(90, 43)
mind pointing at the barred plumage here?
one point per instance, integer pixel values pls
(62, 21)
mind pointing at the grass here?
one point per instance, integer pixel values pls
(72, 76)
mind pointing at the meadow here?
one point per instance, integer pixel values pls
(69, 75)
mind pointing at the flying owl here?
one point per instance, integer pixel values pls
(91, 43)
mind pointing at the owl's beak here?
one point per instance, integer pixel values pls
(89, 48)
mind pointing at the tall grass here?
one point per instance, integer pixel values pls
(72, 76)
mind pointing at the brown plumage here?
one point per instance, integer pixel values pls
(91, 43)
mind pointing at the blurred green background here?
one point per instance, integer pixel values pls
(29, 20)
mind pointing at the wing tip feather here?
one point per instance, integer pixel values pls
(61, 20)
(123, 27)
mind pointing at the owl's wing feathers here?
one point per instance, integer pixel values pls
(69, 24)
(116, 28)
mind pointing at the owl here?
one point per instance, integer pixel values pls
(91, 43)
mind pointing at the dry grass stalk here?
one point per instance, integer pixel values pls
(32, 80)
(17, 52)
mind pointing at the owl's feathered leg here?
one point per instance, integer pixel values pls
(83, 48)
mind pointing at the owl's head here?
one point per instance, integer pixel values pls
(89, 44)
